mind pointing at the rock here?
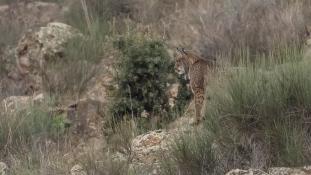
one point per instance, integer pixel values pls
(173, 93)
(103, 82)
(290, 171)
(273, 171)
(246, 172)
(3, 168)
(17, 103)
(77, 170)
(36, 49)
(148, 148)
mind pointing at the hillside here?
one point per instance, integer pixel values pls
(90, 87)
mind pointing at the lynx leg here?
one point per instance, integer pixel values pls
(198, 99)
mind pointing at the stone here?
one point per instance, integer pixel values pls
(35, 50)
(290, 171)
(18, 103)
(77, 170)
(3, 168)
(173, 93)
(246, 172)
(273, 171)
(150, 147)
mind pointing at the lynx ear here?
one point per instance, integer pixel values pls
(307, 34)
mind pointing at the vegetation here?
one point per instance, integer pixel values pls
(77, 66)
(142, 78)
(257, 118)
(21, 129)
(259, 100)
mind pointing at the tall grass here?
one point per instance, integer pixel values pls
(212, 27)
(22, 128)
(71, 73)
(258, 117)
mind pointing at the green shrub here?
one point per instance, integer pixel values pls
(142, 78)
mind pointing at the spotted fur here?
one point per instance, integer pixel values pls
(196, 69)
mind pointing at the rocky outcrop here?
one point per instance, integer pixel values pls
(150, 147)
(77, 170)
(172, 94)
(273, 171)
(18, 103)
(3, 168)
(37, 49)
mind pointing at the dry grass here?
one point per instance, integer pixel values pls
(257, 118)
(228, 27)
(219, 26)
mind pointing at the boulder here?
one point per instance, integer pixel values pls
(150, 147)
(290, 171)
(17, 103)
(172, 94)
(246, 172)
(77, 170)
(273, 171)
(36, 49)
(3, 168)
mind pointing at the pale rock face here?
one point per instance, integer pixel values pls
(246, 172)
(173, 93)
(17, 103)
(3, 168)
(148, 148)
(273, 171)
(36, 49)
(77, 170)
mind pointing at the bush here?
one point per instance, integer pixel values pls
(257, 118)
(142, 77)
